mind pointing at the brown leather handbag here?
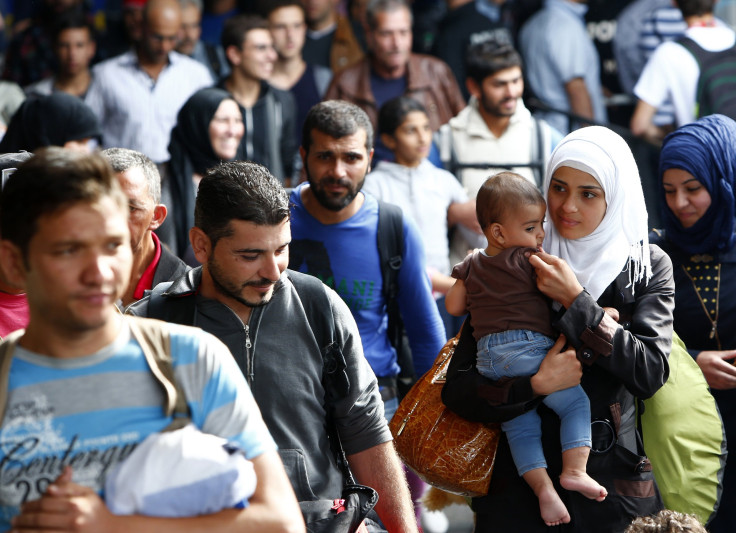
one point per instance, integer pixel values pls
(444, 449)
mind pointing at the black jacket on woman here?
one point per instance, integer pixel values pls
(621, 362)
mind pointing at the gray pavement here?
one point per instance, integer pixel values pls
(460, 517)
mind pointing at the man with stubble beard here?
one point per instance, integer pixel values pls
(494, 132)
(334, 230)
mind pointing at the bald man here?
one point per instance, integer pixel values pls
(138, 94)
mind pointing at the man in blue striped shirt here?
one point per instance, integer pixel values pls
(80, 393)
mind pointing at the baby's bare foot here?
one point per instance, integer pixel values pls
(551, 508)
(584, 484)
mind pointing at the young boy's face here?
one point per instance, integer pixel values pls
(522, 226)
(412, 140)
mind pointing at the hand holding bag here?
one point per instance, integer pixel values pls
(444, 449)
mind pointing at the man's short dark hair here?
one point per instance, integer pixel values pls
(124, 159)
(238, 190)
(393, 113)
(488, 57)
(503, 193)
(52, 180)
(375, 7)
(695, 8)
(236, 28)
(336, 118)
(72, 20)
(266, 7)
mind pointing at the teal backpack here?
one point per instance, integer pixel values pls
(684, 438)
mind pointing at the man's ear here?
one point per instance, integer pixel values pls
(232, 53)
(12, 266)
(159, 215)
(303, 155)
(201, 244)
(473, 87)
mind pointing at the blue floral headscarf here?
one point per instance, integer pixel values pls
(707, 150)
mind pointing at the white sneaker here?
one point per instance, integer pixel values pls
(434, 521)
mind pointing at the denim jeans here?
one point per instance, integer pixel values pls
(519, 353)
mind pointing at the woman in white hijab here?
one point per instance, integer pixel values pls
(597, 256)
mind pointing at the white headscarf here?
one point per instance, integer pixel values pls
(621, 239)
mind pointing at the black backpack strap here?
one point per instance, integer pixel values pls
(698, 52)
(313, 295)
(390, 237)
(318, 309)
(176, 309)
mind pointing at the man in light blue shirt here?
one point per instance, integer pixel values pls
(562, 64)
(137, 95)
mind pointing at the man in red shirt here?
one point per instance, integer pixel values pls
(152, 261)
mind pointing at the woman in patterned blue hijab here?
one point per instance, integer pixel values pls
(706, 149)
(697, 170)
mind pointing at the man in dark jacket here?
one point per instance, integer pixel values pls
(141, 183)
(285, 330)
(392, 70)
(269, 114)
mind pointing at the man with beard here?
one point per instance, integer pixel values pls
(273, 321)
(495, 132)
(335, 226)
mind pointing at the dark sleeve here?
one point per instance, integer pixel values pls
(288, 134)
(636, 349)
(460, 271)
(480, 399)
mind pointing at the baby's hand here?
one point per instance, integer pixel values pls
(612, 312)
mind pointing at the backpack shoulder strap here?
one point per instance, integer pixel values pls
(313, 295)
(390, 238)
(318, 308)
(698, 52)
(154, 339)
(179, 310)
(7, 347)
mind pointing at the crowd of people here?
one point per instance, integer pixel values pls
(313, 196)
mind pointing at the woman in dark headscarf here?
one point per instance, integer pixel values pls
(58, 119)
(208, 130)
(697, 169)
